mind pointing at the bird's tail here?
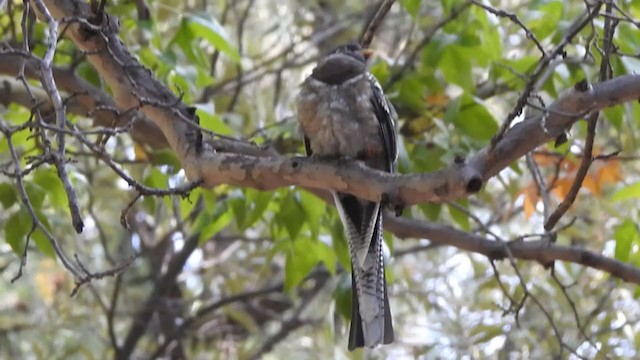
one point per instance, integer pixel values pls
(370, 314)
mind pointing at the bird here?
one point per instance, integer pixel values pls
(344, 114)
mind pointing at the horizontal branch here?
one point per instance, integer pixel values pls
(541, 251)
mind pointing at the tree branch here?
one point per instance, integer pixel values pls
(541, 251)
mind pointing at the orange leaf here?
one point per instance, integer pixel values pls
(591, 182)
(139, 152)
(545, 159)
(437, 100)
(531, 197)
(561, 187)
(610, 172)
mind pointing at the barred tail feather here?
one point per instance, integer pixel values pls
(370, 317)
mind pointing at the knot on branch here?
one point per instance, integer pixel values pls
(582, 86)
(474, 184)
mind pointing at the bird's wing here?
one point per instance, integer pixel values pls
(386, 120)
(307, 146)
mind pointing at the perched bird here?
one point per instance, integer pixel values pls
(343, 113)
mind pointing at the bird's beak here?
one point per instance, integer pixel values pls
(367, 53)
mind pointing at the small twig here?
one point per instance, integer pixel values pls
(476, 219)
(542, 64)
(429, 34)
(514, 18)
(239, 70)
(125, 211)
(512, 302)
(587, 159)
(372, 27)
(112, 312)
(24, 197)
(587, 154)
(142, 189)
(49, 84)
(213, 306)
(542, 188)
(572, 305)
(89, 276)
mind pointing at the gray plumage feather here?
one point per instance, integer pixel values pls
(344, 113)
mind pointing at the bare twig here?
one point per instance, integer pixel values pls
(514, 18)
(574, 29)
(35, 221)
(572, 305)
(429, 34)
(587, 156)
(49, 85)
(542, 188)
(90, 276)
(372, 27)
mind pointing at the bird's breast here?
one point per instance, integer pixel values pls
(339, 120)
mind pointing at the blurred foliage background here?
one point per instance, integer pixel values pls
(239, 273)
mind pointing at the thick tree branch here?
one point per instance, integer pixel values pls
(541, 251)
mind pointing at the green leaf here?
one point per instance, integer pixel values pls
(314, 209)
(456, 67)
(16, 230)
(509, 71)
(471, 118)
(186, 41)
(625, 235)
(412, 6)
(259, 201)
(239, 206)
(299, 263)
(339, 243)
(628, 192)
(8, 195)
(210, 120)
(211, 225)
(342, 295)
(155, 179)
(165, 157)
(426, 159)
(460, 217)
(40, 239)
(431, 210)
(380, 69)
(546, 19)
(291, 215)
(615, 116)
(411, 93)
(326, 255)
(210, 29)
(187, 203)
(49, 181)
(35, 193)
(483, 333)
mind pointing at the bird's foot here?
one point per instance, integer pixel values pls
(394, 204)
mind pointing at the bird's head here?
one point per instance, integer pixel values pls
(353, 50)
(342, 64)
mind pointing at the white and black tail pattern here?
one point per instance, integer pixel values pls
(370, 317)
